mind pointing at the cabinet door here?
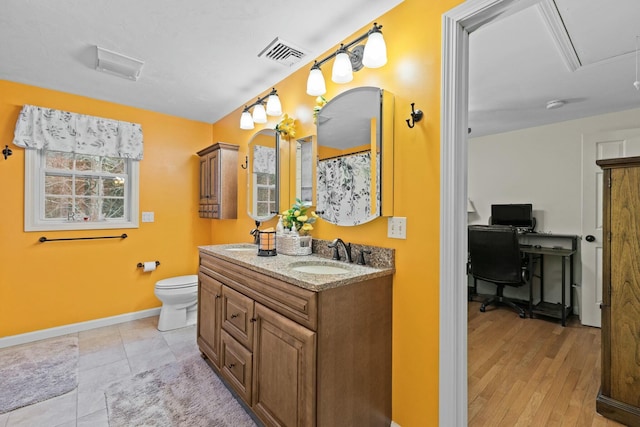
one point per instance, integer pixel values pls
(213, 159)
(204, 180)
(209, 317)
(624, 328)
(284, 370)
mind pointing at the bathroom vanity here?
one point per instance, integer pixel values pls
(303, 341)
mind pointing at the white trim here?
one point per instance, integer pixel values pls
(456, 26)
(559, 33)
(34, 197)
(76, 327)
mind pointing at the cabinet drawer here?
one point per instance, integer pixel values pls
(237, 316)
(298, 304)
(236, 362)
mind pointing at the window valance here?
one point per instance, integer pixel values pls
(39, 128)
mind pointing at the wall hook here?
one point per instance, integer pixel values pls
(6, 152)
(416, 116)
(246, 162)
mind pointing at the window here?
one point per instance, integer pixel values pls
(71, 191)
(265, 194)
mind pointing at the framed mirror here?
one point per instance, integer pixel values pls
(305, 169)
(354, 183)
(263, 166)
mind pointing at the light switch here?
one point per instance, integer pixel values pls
(147, 217)
(397, 227)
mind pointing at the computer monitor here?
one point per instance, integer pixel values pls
(517, 215)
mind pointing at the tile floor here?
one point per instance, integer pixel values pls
(107, 355)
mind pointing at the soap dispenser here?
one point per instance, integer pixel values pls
(279, 226)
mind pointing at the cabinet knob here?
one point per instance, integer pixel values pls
(253, 319)
(234, 315)
(231, 366)
(590, 238)
(217, 295)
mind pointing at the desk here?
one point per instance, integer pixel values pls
(558, 310)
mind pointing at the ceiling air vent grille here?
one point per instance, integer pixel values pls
(282, 52)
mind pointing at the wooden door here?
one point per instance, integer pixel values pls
(209, 317)
(624, 300)
(597, 146)
(284, 374)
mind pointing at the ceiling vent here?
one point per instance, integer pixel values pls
(283, 52)
(118, 64)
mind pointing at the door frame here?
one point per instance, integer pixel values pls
(457, 24)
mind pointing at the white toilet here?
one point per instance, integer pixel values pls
(179, 296)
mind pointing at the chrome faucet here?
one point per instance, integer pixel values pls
(336, 253)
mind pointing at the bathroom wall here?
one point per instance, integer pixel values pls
(44, 285)
(412, 74)
(57, 283)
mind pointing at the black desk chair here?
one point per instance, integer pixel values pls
(494, 256)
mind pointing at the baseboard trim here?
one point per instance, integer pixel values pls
(76, 327)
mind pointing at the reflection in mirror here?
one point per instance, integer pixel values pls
(351, 152)
(262, 175)
(305, 169)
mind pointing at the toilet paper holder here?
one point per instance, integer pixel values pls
(140, 264)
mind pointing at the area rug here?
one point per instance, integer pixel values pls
(184, 393)
(34, 372)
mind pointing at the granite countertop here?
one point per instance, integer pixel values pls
(281, 266)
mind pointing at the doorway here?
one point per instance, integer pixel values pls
(457, 24)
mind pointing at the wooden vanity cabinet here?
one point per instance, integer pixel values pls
(619, 395)
(303, 358)
(209, 317)
(219, 181)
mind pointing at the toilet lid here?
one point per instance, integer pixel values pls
(178, 282)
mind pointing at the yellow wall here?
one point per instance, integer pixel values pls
(412, 33)
(51, 284)
(43, 285)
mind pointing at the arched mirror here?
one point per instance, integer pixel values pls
(263, 167)
(355, 157)
(305, 169)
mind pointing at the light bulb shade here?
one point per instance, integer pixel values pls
(246, 122)
(315, 83)
(274, 108)
(375, 51)
(342, 71)
(259, 114)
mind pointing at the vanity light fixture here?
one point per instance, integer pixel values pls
(372, 55)
(273, 108)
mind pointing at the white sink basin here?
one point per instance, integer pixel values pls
(316, 268)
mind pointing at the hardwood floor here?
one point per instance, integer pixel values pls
(531, 372)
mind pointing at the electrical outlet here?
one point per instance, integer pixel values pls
(397, 227)
(147, 217)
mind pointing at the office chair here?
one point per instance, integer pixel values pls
(494, 256)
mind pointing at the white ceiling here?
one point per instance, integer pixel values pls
(200, 56)
(517, 65)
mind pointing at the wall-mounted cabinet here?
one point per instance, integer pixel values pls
(219, 181)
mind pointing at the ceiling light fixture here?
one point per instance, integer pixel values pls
(117, 64)
(273, 108)
(636, 84)
(556, 103)
(372, 55)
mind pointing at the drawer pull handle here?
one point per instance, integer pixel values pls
(231, 366)
(234, 315)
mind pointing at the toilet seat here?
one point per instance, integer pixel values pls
(177, 282)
